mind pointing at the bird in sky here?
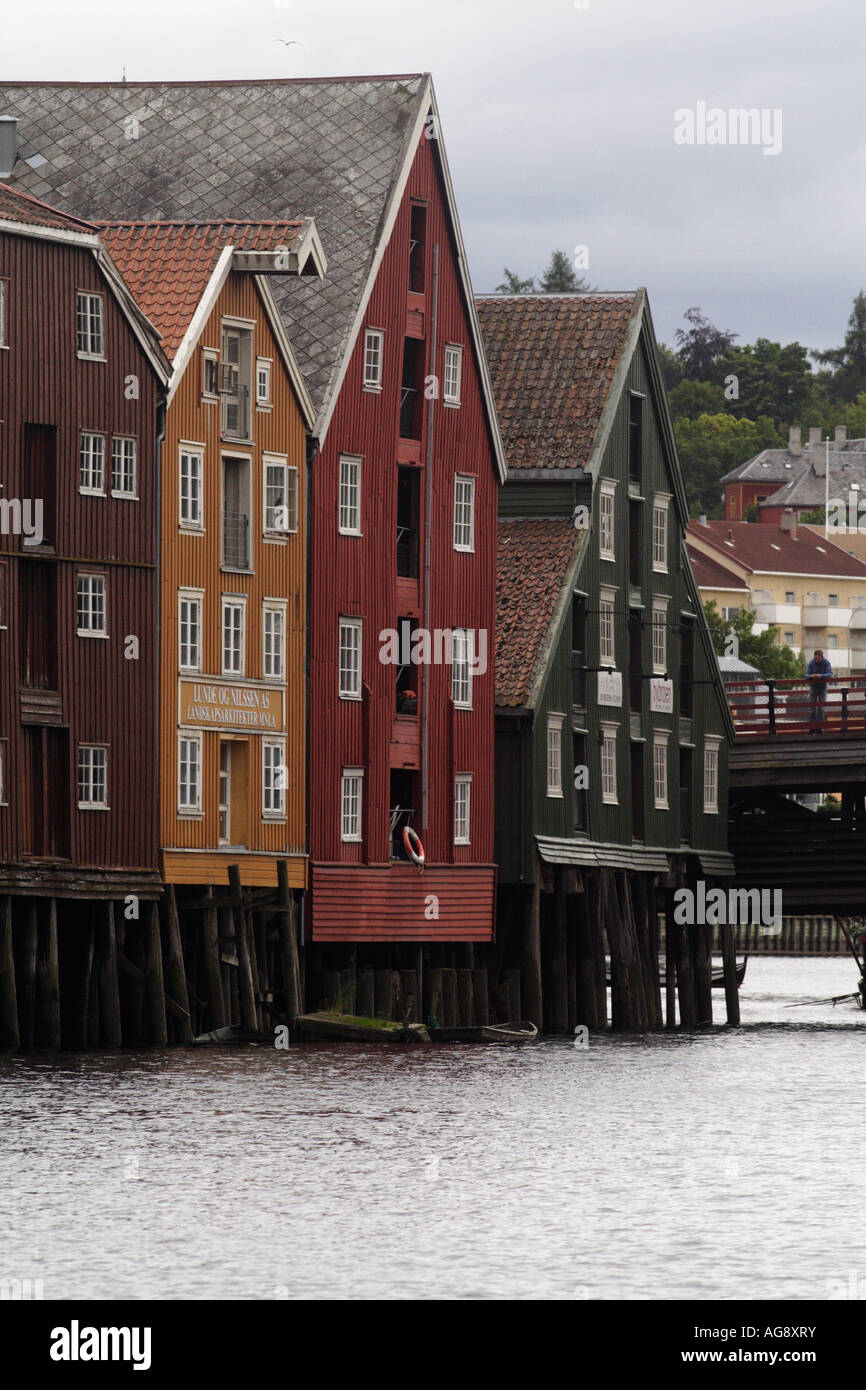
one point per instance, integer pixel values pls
(288, 42)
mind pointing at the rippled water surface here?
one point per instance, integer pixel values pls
(718, 1165)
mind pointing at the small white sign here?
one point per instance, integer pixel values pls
(662, 696)
(610, 688)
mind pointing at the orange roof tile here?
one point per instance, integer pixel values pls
(532, 563)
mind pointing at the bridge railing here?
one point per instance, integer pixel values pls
(794, 708)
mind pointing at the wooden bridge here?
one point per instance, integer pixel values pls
(789, 744)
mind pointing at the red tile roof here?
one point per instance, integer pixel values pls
(21, 207)
(709, 574)
(768, 549)
(552, 360)
(532, 563)
(167, 265)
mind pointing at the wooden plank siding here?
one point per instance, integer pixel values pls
(100, 696)
(356, 576)
(193, 560)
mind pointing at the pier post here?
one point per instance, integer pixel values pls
(175, 974)
(558, 972)
(48, 983)
(108, 982)
(213, 984)
(289, 946)
(9, 1035)
(531, 982)
(78, 1008)
(703, 973)
(729, 962)
(155, 980)
(25, 961)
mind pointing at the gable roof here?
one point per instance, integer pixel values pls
(535, 566)
(338, 149)
(765, 549)
(22, 209)
(560, 353)
(807, 486)
(712, 574)
(780, 465)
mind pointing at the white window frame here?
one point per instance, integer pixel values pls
(194, 597)
(209, 355)
(660, 534)
(374, 357)
(194, 740)
(462, 808)
(271, 530)
(607, 519)
(91, 488)
(94, 334)
(555, 724)
(464, 512)
(265, 366)
(712, 745)
(607, 615)
(88, 766)
(4, 313)
(661, 739)
(93, 584)
(234, 602)
(271, 608)
(462, 640)
(195, 453)
(452, 374)
(609, 796)
(352, 789)
(349, 495)
(660, 635)
(277, 795)
(350, 675)
(123, 440)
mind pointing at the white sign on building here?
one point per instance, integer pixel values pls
(661, 696)
(610, 688)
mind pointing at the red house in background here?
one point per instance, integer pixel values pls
(406, 457)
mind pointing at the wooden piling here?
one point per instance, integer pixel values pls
(382, 987)
(175, 974)
(480, 997)
(409, 995)
(670, 967)
(48, 982)
(729, 963)
(531, 981)
(450, 1017)
(77, 1008)
(433, 1000)
(465, 1009)
(25, 978)
(157, 1030)
(246, 986)
(558, 974)
(366, 999)
(211, 967)
(108, 984)
(703, 968)
(10, 1037)
(292, 982)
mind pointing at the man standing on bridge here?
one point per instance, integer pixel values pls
(818, 672)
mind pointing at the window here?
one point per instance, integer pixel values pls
(660, 636)
(123, 452)
(730, 612)
(281, 498)
(660, 535)
(189, 772)
(189, 631)
(374, 340)
(453, 370)
(635, 437)
(606, 516)
(88, 316)
(554, 754)
(191, 479)
(235, 373)
(91, 463)
(832, 641)
(462, 791)
(608, 764)
(233, 636)
(237, 513)
(92, 777)
(789, 596)
(263, 382)
(4, 341)
(350, 496)
(660, 771)
(789, 639)
(464, 513)
(606, 639)
(273, 641)
(91, 606)
(832, 600)
(350, 658)
(210, 380)
(273, 779)
(353, 782)
(461, 671)
(711, 776)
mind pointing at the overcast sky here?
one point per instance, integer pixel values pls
(559, 126)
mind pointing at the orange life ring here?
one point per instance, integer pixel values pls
(413, 846)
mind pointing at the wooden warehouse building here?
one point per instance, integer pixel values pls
(612, 724)
(82, 379)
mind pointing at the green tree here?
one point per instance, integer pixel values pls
(672, 367)
(690, 399)
(512, 284)
(700, 346)
(711, 446)
(770, 380)
(848, 362)
(560, 277)
(760, 649)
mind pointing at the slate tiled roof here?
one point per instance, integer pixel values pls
(261, 150)
(532, 564)
(712, 574)
(557, 353)
(781, 466)
(807, 487)
(16, 206)
(770, 550)
(167, 265)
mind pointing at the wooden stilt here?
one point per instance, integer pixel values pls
(531, 981)
(409, 995)
(157, 1030)
(213, 985)
(433, 1005)
(108, 984)
(246, 987)
(595, 917)
(586, 1006)
(25, 960)
(465, 1008)
(175, 974)
(558, 957)
(571, 956)
(382, 993)
(670, 964)
(10, 1037)
(450, 1016)
(729, 962)
(250, 937)
(685, 976)
(48, 982)
(292, 983)
(366, 1004)
(78, 1008)
(703, 967)
(480, 997)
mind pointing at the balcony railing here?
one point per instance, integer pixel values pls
(236, 414)
(788, 709)
(400, 816)
(236, 540)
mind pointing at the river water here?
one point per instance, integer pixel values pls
(726, 1164)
